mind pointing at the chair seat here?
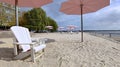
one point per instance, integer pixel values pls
(40, 47)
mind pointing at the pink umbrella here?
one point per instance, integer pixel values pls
(49, 27)
(25, 3)
(82, 7)
(71, 27)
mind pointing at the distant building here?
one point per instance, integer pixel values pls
(7, 14)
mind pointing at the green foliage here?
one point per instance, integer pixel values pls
(36, 19)
(6, 18)
(52, 23)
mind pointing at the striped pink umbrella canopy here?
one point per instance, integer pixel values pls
(88, 6)
(80, 7)
(25, 3)
(49, 27)
(71, 27)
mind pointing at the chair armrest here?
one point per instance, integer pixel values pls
(24, 43)
(39, 40)
(42, 41)
(35, 39)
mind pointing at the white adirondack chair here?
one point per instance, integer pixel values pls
(23, 39)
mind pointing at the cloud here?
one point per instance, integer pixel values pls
(104, 19)
(53, 9)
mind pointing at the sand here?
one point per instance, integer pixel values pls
(66, 51)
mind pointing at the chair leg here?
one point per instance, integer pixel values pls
(43, 50)
(15, 49)
(32, 54)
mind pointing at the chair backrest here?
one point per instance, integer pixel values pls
(22, 35)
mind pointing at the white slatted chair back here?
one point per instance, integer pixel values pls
(23, 36)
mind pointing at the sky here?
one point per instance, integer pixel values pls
(107, 18)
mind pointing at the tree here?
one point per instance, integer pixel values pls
(7, 17)
(52, 23)
(36, 19)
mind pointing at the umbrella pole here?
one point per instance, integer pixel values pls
(16, 12)
(81, 22)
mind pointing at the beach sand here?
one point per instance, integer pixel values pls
(66, 50)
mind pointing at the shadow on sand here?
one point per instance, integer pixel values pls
(49, 40)
(1, 42)
(6, 54)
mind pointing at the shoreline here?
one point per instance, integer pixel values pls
(107, 36)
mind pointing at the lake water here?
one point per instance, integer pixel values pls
(114, 34)
(103, 31)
